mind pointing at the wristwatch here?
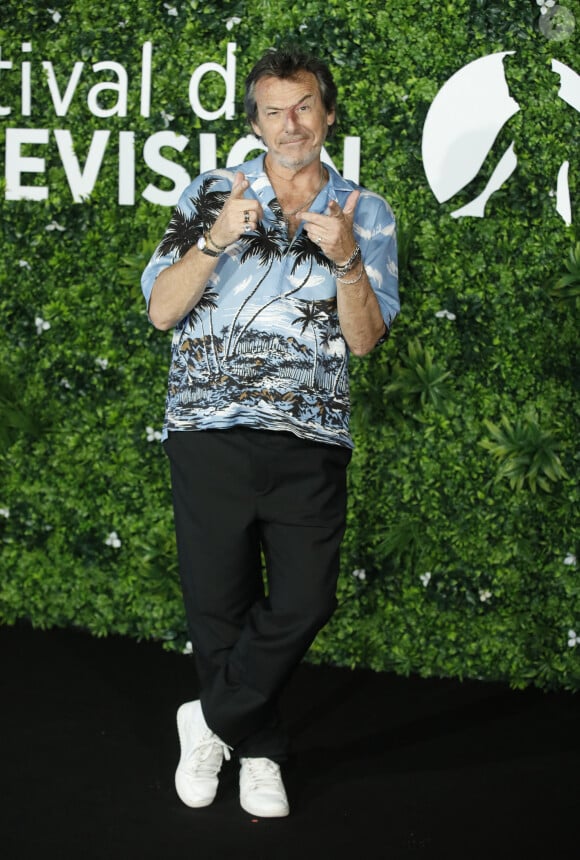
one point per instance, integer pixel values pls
(205, 249)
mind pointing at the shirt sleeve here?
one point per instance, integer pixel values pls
(196, 210)
(376, 233)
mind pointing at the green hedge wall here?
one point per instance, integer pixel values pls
(460, 555)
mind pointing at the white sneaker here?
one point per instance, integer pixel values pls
(262, 791)
(202, 755)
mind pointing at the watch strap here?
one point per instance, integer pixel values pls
(203, 247)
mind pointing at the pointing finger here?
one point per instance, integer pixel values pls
(239, 186)
(334, 209)
(351, 202)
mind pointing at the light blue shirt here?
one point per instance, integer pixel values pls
(263, 346)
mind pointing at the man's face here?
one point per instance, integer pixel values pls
(291, 119)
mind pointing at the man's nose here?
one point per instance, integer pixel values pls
(291, 119)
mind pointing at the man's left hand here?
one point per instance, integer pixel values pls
(333, 232)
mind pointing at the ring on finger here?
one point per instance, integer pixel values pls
(247, 228)
(246, 216)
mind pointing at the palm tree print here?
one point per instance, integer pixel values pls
(311, 314)
(305, 251)
(268, 244)
(181, 234)
(183, 230)
(208, 302)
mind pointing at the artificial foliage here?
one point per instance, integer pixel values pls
(460, 557)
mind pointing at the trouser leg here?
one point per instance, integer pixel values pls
(217, 544)
(237, 491)
(279, 630)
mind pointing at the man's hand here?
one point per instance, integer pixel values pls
(238, 215)
(333, 232)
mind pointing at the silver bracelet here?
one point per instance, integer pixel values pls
(339, 271)
(353, 280)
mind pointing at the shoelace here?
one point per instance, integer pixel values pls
(207, 756)
(263, 773)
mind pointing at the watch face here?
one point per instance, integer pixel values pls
(203, 247)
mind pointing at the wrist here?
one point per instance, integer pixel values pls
(342, 269)
(212, 243)
(204, 247)
(355, 280)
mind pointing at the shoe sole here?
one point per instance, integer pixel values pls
(280, 814)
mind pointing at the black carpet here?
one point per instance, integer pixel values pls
(382, 766)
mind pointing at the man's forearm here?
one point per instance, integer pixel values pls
(178, 288)
(361, 320)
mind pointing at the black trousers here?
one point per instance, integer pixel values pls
(243, 497)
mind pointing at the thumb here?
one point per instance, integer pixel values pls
(239, 186)
(350, 204)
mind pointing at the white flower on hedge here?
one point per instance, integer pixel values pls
(5, 512)
(359, 573)
(64, 382)
(573, 639)
(103, 363)
(188, 649)
(545, 5)
(171, 10)
(152, 434)
(41, 325)
(570, 559)
(445, 314)
(484, 594)
(113, 540)
(167, 118)
(54, 225)
(55, 14)
(303, 27)
(425, 578)
(24, 264)
(231, 23)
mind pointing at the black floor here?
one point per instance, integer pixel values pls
(383, 766)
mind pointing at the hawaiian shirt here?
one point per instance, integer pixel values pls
(263, 346)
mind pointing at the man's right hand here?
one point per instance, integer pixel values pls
(238, 216)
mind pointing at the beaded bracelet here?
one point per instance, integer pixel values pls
(339, 271)
(353, 280)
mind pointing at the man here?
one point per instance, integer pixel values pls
(270, 275)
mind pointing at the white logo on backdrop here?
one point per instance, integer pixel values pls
(464, 120)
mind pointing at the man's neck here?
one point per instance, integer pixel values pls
(296, 190)
(294, 180)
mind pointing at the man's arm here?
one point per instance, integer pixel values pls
(360, 315)
(361, 320)
(179, 287)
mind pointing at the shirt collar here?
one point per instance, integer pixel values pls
(258, 179)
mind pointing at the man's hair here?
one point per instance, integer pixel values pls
(288, 63)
